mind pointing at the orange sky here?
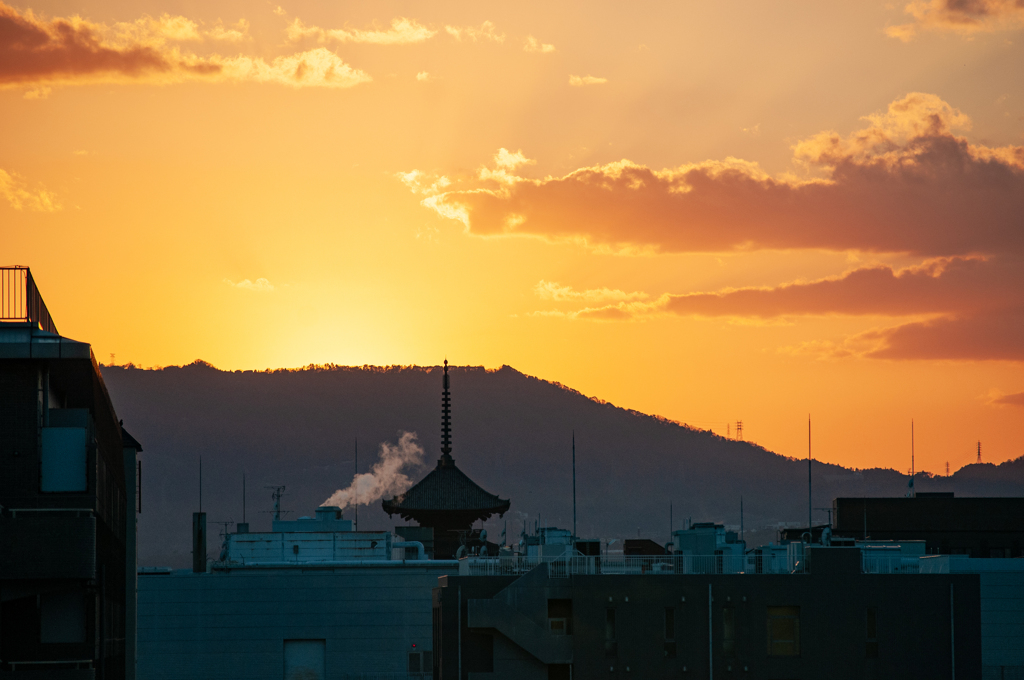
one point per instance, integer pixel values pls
(708, 211)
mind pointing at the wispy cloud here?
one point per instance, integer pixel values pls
(583, 81)
(20, 197)
(420, 182)
(534, 45)
(403, 31)
(485, 31)
(1000, 399)
(551, 290)
(259, 285)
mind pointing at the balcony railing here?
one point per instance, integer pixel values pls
(20, 300)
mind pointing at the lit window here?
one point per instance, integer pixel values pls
(783, 631)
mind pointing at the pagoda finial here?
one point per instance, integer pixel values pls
(446, 421)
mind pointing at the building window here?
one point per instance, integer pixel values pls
(611, 646)
(729, 632)
(783, 631)
(559, 671)
(670, 633)
(560, 617)
(415, 663)
(871, 647)
(428, 661)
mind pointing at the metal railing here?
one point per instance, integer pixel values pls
(20, 300)
(640, 565)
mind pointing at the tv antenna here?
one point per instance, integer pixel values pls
(278, 492)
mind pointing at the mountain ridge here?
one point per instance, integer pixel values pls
(511, 434)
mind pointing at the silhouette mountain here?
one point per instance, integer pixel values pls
(511, 433)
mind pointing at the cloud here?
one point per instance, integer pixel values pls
(577, 81)
(550, 290)
(42, 53)
(422, 76)
(485, 31)
(534, 45)
(315, 68)
(1009, 399)
(904, 183)
(505, 163)
(259, 285)
(20, 197)
(965, 17)
(403, 31)
(421, 183)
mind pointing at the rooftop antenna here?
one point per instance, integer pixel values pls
(670, 526)
(913, 493)
(243, 498)
(278, 492)
(200, 483)
(574, 484)
(810, 523)
(354, 479)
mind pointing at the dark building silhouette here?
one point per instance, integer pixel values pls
(834, 621)
(446, 502)
(68, 501)
(978, 527)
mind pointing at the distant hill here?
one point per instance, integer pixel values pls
(511, 434)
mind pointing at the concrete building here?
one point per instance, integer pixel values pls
(68, 502)
(839, 615)
(310, 600)
(978, 527)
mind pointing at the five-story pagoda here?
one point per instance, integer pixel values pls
(446, 501)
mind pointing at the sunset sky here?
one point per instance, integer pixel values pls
(710, 211)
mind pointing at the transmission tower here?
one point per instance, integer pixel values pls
(979, 452)
(739, 430)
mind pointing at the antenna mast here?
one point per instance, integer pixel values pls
(354, 479)
(574, 485)
(810, 523)
(913, 493)
(200, 483)
(243, 498)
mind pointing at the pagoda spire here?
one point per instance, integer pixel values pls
(446, 422)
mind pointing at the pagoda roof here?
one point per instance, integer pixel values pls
(446, 489)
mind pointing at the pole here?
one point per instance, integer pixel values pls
(913, 491)
(460, 631)
(810, 523)
(952, 636)
(200, 483)
(741, 518)
(574, 485)
(243, 497)
(354, 479)
(711, 647)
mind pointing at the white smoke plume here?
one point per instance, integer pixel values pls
(385, 478)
